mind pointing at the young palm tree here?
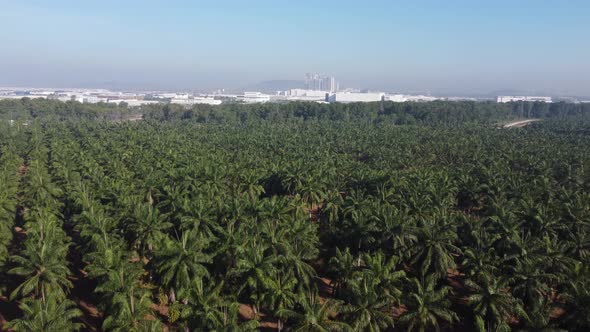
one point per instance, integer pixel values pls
(428, 306)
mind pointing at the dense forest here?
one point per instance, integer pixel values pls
(294, 217)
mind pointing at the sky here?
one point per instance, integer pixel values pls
(435, 46)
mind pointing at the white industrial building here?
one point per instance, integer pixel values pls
(396, 98)
(133, 102)
(166, 95)
(253, 97)
(306, 93)
(508, 99)
(92, 99)
(196, 100)
(352, 97)
(420, 98)
(2, 97)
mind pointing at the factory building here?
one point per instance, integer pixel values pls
(508, 99)
(253, 98)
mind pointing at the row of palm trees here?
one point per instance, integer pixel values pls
(40, 267)
(313, 226)
(10, 161)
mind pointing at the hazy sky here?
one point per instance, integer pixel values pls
(440, 46)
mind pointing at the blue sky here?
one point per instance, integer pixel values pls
(437, 46)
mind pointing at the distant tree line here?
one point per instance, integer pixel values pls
(29, 109)
(408, 113)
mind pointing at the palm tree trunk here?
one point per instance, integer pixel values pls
(172, 295)
(131, 301)
(359, 253)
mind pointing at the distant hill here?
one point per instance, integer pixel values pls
(275, 85)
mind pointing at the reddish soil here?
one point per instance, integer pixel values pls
(314, 212)
(23, 169)
(247, 313)
(161, 309)
(557, 313)
(20, 231)
(325, 288)
(398, 311)
(90, 309)
(3, 322)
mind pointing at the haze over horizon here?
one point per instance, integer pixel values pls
(451, 47)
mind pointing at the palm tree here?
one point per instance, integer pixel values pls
(49, 315)
(540, 319)
(395, 232)
(280, 293)
(96, 226)
(331, 206)
(131, 312)
(368, 309)
(530, 280)
(577, 296)
(314, 317)
(302, 243)
(44, 267)
(478, 262)
(208, 310)
(428, 305)
(382, 273)
(433, 247)
(538, 221)
(253, 268)
(182, 262)
(492, 303)
(146, 226)
(342, 266)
